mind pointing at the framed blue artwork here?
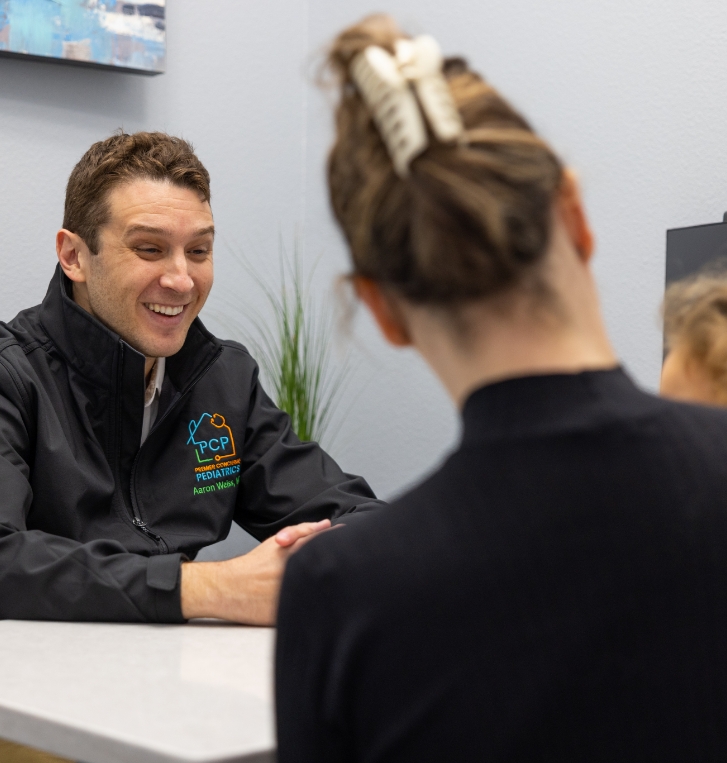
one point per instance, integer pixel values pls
(126, 36)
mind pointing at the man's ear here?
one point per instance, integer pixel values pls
(384, 309)
(73, 254)
(572, 213)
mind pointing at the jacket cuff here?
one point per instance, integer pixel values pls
(163, 577)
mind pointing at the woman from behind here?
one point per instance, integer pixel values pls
(556, 590)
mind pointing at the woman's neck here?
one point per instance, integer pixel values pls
(519, 334)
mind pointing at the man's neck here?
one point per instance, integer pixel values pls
(80, 297)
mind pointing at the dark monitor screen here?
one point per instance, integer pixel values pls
(689, 250)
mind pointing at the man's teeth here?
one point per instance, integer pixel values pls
(165, 309)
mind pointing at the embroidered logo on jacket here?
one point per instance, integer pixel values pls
(214, 447)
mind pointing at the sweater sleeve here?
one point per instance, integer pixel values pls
(49, 577)
(309, 702)
(285, 481)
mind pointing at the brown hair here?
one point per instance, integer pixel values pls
(695, 317)
(119, 159)
(470, 220)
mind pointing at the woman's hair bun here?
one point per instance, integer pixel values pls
(469, 220)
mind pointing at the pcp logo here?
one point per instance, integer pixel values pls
(212, 438)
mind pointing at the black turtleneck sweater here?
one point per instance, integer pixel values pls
(557, 591)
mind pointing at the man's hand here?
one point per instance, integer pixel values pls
(244, 589)
(289, 536)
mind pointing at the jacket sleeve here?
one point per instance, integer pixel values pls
(285, 481)
(48, 577)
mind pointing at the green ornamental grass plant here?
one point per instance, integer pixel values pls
(295, 350)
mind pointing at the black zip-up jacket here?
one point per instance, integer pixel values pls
(94, 527)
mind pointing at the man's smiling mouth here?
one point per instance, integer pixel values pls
(164, 309)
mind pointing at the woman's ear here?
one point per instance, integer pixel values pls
(572, 213)
(386, 312)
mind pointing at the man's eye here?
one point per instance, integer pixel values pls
(199, 252)
(147, 249)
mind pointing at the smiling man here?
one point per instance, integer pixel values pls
(130, 437)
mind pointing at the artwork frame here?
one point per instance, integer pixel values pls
(117, 35)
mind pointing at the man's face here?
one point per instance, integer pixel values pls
(153, 271)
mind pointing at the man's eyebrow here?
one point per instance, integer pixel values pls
(209, 230)
(146, 229)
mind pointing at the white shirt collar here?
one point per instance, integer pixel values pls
(154, 387)
(151, 397)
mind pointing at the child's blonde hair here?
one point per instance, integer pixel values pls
(695, 319)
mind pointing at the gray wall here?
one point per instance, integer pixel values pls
(631, 94)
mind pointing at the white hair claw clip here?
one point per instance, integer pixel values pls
(392, 104)
(383, 81)
(420, 61)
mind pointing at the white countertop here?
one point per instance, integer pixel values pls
(108, 693)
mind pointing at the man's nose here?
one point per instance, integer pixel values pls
(176, 274)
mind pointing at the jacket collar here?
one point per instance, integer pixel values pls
(535, 406)
(96, 352)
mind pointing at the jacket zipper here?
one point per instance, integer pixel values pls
(141, 525)
(137, 520)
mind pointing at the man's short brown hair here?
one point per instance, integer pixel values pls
(120, 159)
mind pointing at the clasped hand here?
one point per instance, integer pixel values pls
(244, 589)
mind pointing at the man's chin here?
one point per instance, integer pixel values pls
(158, 348)
(152, 341)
